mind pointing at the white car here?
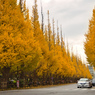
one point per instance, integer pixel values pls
(84, 82)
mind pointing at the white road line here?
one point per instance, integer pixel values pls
(77, 89)
(92, 89)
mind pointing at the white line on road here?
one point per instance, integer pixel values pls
(77, 89)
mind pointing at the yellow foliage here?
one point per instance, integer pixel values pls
(24, 45)
(90, 41)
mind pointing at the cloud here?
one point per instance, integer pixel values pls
(45, 1)
(73, 14)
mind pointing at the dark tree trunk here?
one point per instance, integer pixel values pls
(5, 72)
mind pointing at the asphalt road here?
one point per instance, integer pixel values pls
(57, 90)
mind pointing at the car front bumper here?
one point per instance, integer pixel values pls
(83, 85)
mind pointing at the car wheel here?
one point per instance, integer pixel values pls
(90, 87)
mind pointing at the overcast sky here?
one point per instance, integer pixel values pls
(73, 15)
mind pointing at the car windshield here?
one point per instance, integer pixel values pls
(83, 79)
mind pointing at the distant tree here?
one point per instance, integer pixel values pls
(58, 38)
(42, 24)
(49, 31)
(53, 30)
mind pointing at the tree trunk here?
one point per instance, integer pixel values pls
(5, 72)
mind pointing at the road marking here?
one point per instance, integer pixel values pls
(92, 89)
(84, 89)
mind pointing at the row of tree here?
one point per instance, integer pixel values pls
(90, 41)
(26, 52)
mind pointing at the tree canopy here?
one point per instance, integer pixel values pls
(26, 49)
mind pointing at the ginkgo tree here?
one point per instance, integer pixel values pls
(17, 44)
(27, 51)
(90, 41)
